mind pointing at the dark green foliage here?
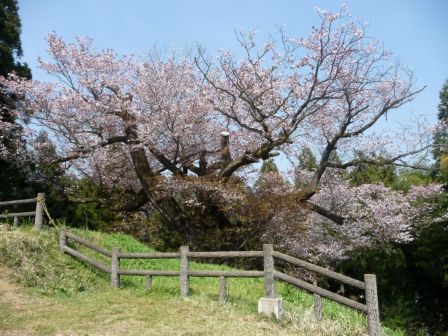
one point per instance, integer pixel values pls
(367, 173)
(441, 138)
(90, 213)
(307, 160)
(13, 176)
(10, 45)
(406, 178)
(412, 281)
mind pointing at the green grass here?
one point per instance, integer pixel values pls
(74, 297)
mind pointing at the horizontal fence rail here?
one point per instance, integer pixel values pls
(24, 201)
(226, 254)
(88, 244)
(148, 272)
(18, 214)
(320, 291)
(320, 270)
(37, 214)
(91, 261)
(269, 273)
(232, 274)
(149, 255)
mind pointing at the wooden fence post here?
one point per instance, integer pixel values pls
(317, 301)
(268, 261)
(16, 222)
(222, 289)
(39, 219)
(373, 315)
(184, 287)
(62, 240)
(114, 276)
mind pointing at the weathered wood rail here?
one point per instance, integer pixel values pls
(38, 213)
(370, 308)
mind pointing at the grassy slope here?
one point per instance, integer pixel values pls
(69, 298)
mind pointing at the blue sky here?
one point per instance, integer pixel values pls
(414, 30)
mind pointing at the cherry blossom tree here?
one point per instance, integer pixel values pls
(179, 133)
(373, 217)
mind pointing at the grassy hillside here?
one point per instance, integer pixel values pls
(63, 296)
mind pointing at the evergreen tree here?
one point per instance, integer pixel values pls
(12, 176)
(307, 160)
(441, 138)
(307, 163)
(269, 166)
(367, 173)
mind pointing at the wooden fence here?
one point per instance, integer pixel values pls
(38, 213)
(269, 273)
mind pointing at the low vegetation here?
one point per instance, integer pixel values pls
(59, 295)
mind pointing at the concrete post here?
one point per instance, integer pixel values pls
(16, 222)
(184, 286)
(39, 219)
(373, 314)
(114, 276)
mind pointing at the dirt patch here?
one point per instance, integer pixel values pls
(14, 302)
(9, 293)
